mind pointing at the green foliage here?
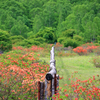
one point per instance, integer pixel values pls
(60, 40)
(19, 29)
(39, 39)
(5, 42)
(50, 14)
(49, 37)
(30, 34)
(32, 40)
(16, 38)
(68, 33)
(31, 17)
(39, 34)
(98, 39)
(37, 24)
(28, 43)
(77, 37)
(70, 42)
(47, 34)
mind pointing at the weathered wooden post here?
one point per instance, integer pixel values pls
(48, 88)
(40, 90)
(51, 78)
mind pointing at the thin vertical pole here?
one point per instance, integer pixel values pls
(55, 83)
(38, 90)
(41, 90)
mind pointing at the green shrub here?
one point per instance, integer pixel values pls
(68, 33)
(99, 42)
(77, 37)
(19, 29)
(16, 38)
(39, 39)
(29, 34)
(60, 40)
(32, 42)
(28, 43)
(39, 34)
(32, 36)
(44, 45)
(70, 42)
(98, 39)
(5, 42)
(49, 37)
(96, 44)
(47, 34)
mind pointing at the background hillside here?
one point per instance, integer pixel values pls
(70, 22)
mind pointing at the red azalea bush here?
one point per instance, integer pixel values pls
(80, 90)
(33, 48)
(85, 49)
(80, 50)
(19, 73)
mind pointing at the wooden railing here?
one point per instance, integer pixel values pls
(48, 88)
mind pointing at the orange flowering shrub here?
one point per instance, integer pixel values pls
(19, 73)
(85, 49)
(80, 90)
(33, 48)
(80, 50)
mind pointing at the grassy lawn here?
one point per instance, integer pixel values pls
(66, 65)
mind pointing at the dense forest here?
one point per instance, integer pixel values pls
(69, 22)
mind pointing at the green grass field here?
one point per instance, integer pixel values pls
(66, 65)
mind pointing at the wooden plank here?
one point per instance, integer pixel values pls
(55, 83)
(53, 87)
(41, 90)
(38, 90)
(49, 86)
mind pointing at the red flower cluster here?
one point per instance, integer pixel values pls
(19, 73)
(77, 90)
(33, 48)
(84, 49)
(80, 50)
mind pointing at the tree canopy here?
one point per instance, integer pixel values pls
(29, 17)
